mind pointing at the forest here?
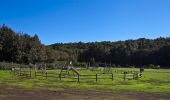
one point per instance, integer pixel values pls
(22, 48)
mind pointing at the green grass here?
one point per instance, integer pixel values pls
(153, 81)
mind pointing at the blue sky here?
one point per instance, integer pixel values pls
(87, 20)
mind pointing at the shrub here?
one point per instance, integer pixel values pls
(118, 66)
(151, 66)
(8, 66)
(113, 65)
(132, 66)
(157, 67)
(80, 64)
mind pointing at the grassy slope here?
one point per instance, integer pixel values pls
(153, 81)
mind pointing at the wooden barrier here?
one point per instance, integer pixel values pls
(39, 74)
(25, 74)
(97, 77)
(125, 75)
(22, 72)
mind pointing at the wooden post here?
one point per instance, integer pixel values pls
(124, 75)
(60, 76)
(20, 71)
(78, 78)
(137, 75)
(112, 76)
(35, 74)
(96, 77)
(140, 74)
(30, 74)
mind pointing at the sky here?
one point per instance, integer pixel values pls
(87, 20)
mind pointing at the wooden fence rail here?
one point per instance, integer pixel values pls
(96, 77)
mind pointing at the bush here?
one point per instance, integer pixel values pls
(80, 64)
(132, 66)
(157, 67)
(118, 66)
(113, 65)
(9, 66)
(97, 65)
(50, 66)
(151, 66)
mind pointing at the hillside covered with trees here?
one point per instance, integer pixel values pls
(25, 49)
(125, 53)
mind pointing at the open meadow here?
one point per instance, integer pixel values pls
(154, 84)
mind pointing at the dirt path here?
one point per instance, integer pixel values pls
(21, 94)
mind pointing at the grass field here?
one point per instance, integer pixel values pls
(153, 81)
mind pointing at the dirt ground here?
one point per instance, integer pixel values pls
(21, 94)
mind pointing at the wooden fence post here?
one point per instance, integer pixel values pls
(137, 75)
(133, 76)
(78, 78)
(124, 75)
(60, 76)
(30, 74)
(20, 72)
(35, 74)
(112, 76)
(140, 74)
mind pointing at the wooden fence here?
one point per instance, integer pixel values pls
(22, 72)
(96, 77)
(125, 75)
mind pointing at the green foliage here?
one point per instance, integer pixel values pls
(9, 66)
(51, 66)
(118, 66)
(22, 48)
(80, 64)
(151, 66)
(130, 52)
(132, 66)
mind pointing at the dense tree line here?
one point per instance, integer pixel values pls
(138, 52)
(25, 49)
